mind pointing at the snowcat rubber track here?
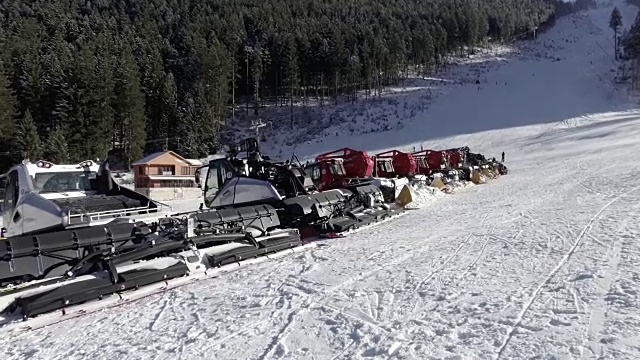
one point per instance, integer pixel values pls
(112, 281)
(336, 211)
(265, 247)
(31, 257)
(175, 248)
(16, 323)
(82, 291)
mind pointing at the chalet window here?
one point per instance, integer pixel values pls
(166, 170)
(176, 184)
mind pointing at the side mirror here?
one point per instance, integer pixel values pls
(197, 178)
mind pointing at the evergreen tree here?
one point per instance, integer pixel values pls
(27, 138)
(57, 150)
(291, 73)
(128, 106)
(632, 40)
(100, 113)
(28, 74)
(471, 29)
(615, 22)
(67, 80)
(203, 122)
(153, 76)
(189, 144)
(168, 124)
(7, 108)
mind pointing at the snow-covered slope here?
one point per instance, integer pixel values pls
(564, 74)
(541, 263)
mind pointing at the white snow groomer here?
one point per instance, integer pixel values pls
(62, 264)
(232, 182)
(43, 197)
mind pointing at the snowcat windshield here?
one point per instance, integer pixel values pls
(218, 174)
(336, 168)
(213, 183)
(49, 182)
(386, 166)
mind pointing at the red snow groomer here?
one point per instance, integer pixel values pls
(339, 168)
(472, 167)
(394, 163)
(431, 161)
(349, 168)
(455, 158)
(440, 165)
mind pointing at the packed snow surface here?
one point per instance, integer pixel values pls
(542, 263)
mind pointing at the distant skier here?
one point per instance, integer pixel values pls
(503, 156)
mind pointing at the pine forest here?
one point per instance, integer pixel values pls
(82, 78)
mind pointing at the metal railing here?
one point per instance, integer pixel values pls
(98, 216)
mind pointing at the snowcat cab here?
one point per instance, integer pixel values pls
(357, 164)
(384, 168)
(423, 166)
(251, 179)
(232, 182)
(341, 168)
(455, 158)
(395, 163)
(42, 196)
(430, 161)
(435, 164)
(327, 174)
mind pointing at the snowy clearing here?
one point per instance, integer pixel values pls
(541, 263)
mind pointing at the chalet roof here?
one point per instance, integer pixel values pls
(149, 158)
(194, 162)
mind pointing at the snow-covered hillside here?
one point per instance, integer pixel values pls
(541, 263)
(562, 75)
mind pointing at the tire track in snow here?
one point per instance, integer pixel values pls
(370, 318)
(563, 261)
(436, 270)
(488, 238)
(318, 298)
(596, 319)
(588, 188)
(391, 330)
(276, 341)
(455, 252)
(409, 317)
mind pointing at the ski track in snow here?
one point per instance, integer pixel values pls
(540, 264)
(555, 270)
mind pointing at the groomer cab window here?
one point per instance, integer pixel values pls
(314, 171)
(11, 195)
(219, 172)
